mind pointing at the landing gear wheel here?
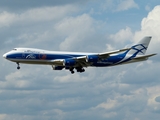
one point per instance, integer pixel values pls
(83, 70)
(18, 68)
(72, 72)
(80, 69)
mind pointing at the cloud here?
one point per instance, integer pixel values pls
(22, 27)
(140, 73)
(78, 33)
(147, 8)
(21, 6)
(157, 99)
(78, 29)
(126, 4)
(150, 27)
(2, 116)
(153, 101)
(119, 40)
(122, 37)
(118, 5)
(34, 15)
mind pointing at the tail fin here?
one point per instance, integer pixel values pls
(141, 47)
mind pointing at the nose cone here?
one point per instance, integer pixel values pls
(5, 56)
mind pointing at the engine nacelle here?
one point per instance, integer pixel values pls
(69, 62)
(57, 67)
(92, 58)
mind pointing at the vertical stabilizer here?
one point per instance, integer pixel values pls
(141, 47)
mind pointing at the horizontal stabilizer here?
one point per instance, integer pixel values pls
(143, 57)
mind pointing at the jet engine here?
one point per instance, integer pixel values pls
(69, 62)
(57, 67)
(92, 58)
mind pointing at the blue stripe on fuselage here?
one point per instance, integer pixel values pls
(112, 60)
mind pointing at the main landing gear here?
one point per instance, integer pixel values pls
(79, 69)
(18, 67)
(72, 70)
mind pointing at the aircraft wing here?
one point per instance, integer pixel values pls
(87, 60)
(103, 55)
(106, 54)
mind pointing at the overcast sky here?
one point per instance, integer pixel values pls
(127, 92)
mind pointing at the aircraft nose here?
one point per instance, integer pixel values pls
(5, 56)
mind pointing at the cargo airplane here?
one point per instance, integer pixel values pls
(78, 61)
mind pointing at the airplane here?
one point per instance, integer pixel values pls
(78, 61)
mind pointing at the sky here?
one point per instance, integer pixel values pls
(36, 92)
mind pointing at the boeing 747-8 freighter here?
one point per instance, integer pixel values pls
(78, 61)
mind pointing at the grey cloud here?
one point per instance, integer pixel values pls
(58, 95)
(54, 98)
(157, 99)
(29, 26)
(18, 5)
(125, 5)
(78, 32)
(143, 73)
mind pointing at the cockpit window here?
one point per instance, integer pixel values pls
(14, 49)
